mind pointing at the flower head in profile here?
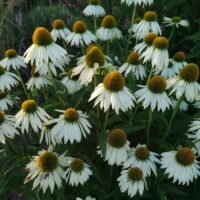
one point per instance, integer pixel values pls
(148, 24)
(7, 127)
(154, 94)
(108, 30)
(113, 93)
(6, 101)
(186, 83)
(30, 115)
(94, 9)
(71, 125)
(46, 169)
(175, 21)
(12, 60)
(132, 180)
(137, 2)
(132, 29)
(60, 31)
(181, 165)
(44, 49)
(78, 172)
(178, 61)
(80, 35)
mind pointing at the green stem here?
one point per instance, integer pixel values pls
(173, 116)
(95, 24)
(108, 47)
(148, 130)
(81, 97)
(64, 45)
(23, 85)
(106, 120)
(132, 22)
(150, 74)
(171, 34)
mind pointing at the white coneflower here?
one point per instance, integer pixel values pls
(93, 60)
(78, 172)
(5, 101)
(87, 198)
(148, 24)
(184, 106)
(71, 125)
(113, 93)
(12, 60)
(178, 61)
(71, 83)
(7, 127)
(186, 83)
(181, 165)
(133, 65)
(30, 115)
(94, 9)
(46, 170)
(108, 30)
(136, 22)
(59, 30)
(80, 35)
(154, 95)
(157, 53)
(137, 2)
(37, 81)
(7, 79)
(146, 44)
(133, 181)
(143, 158)
(175, 21)
(117, 147)
(44, 49)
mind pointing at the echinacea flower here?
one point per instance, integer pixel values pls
(181, 165)
(80, 35)
(143, 158)
(154, 95)
(175, 21)
(137, 2)
(113, 93)
(94, 9)
(30, 115)
(71, 125)
(78, 172)
(136, 22)
(87, 198)
(12, 60)
(7, 127)
(133, 181)
(148, 24)
(178, 61)
(94, 59)
(108, 30)
(59, 30)
(5, 101)
(46, 170)
(44, 49)
(133, 65)
(186, 83)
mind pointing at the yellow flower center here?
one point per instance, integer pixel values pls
(142, 153)
(149, 38)
(2, 70)
(79, 27)
(71, 115)
(114, 81)
(161, 43)
(179, 56)
(150, 16)
(33, 73)
(58, 24)
(135, 174)
(11, 53)
(94, 55)
(157, 84)
(117, 138)
(185, 156)
(138, 20)
(47, 162)
(93, 45)
(108, 22)
(77, 165)
(2, 116)
(133, 58)
(176, 19)
(2, 95)
(29, 106)
(94, 2)
(42, 37)
(190, 73)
